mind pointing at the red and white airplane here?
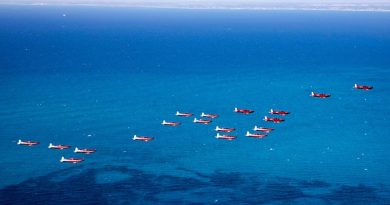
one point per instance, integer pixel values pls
(263, 129)
(243, 111)
(363, 87)
(170, 123)
(319, 95)
(209, 115)
(183, 114)
(224, 129)
(71, 160)
(60, 146)
(273, 119)
(143, 138)
(27, 143)
(201, 121)
(225, 137)
(255, 135)
(84, 151)
(278, 112)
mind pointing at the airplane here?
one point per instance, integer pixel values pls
(209, 115)
(319, 95)
(51, 146)
(263, 129)
(278, 112)
(143, 138)
(183, 114)
(170, 123)
(363, 87)
(273, 119)
(224, 129)
(71, 160)
(243, 111)
(255, 135)
(27, 143)
(84, 151)
(201, 121)
(225, 137)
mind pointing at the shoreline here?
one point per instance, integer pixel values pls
(346, 9)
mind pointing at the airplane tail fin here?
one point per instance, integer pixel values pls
(134, 137)
(247, 133)
(19, 142)
(195, 119)
(62, 159)
(235, 109)
(202, 114)
(76, 149)
(312, 93)
(50, 145)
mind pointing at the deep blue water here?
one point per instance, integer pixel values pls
(95, 76)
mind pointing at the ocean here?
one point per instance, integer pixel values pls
(92, 77)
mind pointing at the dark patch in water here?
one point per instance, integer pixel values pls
(226, 180)
(313, 184)
(79, 186)
(172, 183)
(360, 194)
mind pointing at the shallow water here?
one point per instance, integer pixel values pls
(90, 80)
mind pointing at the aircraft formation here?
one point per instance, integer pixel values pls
(206, 118)
(59, 147)
(259, 132)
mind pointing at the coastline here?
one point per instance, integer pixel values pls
(198, 7)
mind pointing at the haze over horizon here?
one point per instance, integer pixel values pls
(359, 5)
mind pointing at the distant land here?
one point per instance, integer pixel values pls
(336, 5)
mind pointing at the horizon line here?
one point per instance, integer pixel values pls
(259, 8)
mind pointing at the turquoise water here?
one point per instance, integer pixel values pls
(96, 76)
